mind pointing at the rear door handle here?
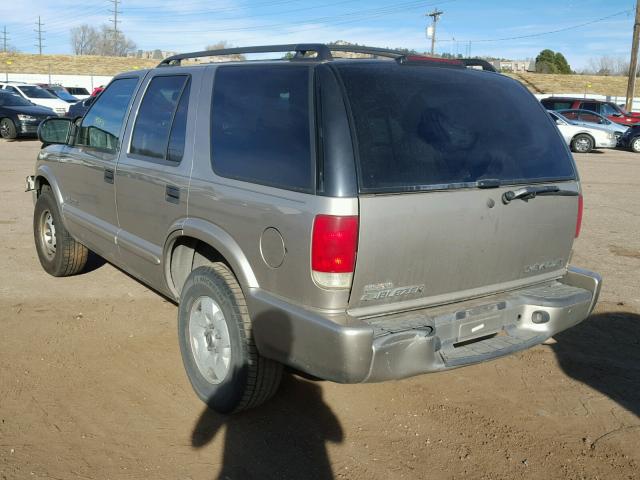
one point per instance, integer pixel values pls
(108, 175)
(172, 194)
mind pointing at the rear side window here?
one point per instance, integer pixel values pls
(161, 122)
(556, 105)
(592, 106)
(101, 126)
(260, 125)
(421, 127)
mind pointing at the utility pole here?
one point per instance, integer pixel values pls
(435, 15)
(114, 20)
(4, 39)
(39, 32)
(633, 64)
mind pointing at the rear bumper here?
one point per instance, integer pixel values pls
(349, 350)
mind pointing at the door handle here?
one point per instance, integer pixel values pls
(108, 175)
(172, 194)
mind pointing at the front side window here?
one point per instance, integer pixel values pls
(592, 106)
(609, 110)
(101, 125)
(260, 125)
(162, 110)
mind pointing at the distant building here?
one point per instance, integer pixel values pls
(151, 54)
(514, 65)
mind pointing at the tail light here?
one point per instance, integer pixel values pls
(579, 220)
(333, 250)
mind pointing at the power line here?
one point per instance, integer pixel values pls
(39, 31)
(549, 32)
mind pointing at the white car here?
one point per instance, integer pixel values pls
(37, 95)
(583, 139)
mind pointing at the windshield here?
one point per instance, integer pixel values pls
(420, 127)
(12, 100)
(35, 92)
(62, 93)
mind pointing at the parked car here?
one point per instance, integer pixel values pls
(78, 109)
(583, 139)
(20, 117)
(340, 217)
(79, 92)
(631, 139)
(608, 109)
(59, 92)
(588, 118)
(37, 95)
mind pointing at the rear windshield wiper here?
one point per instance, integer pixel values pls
(526, 193)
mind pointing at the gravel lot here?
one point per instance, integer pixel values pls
(92, 385)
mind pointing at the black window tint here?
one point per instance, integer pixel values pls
(101, 126)
(260, 125)
(175, 149)
(592, 106)
(421, 126)
(556, 105)
(155, 115)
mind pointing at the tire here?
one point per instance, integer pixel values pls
(217, 346)
(8, 129)
(59, 253)
(634, 145)
(582, 143)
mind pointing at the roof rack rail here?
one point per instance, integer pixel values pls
(323, 52)
(478, 62)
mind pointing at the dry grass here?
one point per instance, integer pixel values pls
(71, 64)
(88, 64)
(591, 84)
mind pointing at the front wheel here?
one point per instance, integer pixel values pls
(634, 145)
(582, 143)
(8, 129)
(217, 346)
(59, 253)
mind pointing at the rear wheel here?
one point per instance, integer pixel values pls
(582, 143)
(59, 253)
(634, 145)
(8, 129)
(217, 346)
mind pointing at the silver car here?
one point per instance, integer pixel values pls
(588, 118)
(360, 220)
(582, 138)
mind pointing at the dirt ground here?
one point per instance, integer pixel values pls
(92, 385)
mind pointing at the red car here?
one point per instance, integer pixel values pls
(607, 109)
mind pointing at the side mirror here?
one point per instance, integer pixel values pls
(55, 131)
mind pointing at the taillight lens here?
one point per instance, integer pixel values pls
(579, 220)
(333, 250)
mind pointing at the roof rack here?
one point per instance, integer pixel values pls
(323, 54)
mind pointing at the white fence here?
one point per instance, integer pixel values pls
(87, 81)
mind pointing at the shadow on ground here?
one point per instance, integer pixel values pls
(284, 439)
(604, 353)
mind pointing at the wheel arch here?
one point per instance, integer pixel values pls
(44, 176)
(199, 242)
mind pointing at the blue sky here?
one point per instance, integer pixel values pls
(490, 25)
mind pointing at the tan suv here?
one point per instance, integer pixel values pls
(357, 219)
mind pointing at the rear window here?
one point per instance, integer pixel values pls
(423, 127)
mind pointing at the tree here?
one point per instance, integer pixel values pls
(562, 64)
(84, 40)
(88, 40)
(546, 62)
(549, 61)
(226, 58)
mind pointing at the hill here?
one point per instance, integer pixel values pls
(71, 64)
(95, 65)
